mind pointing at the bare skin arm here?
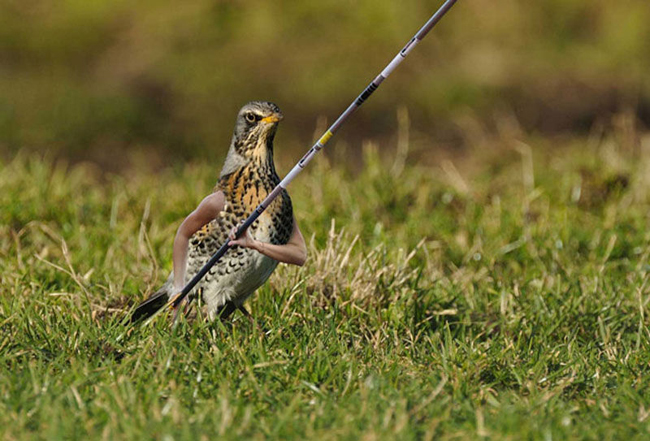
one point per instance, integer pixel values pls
(294, 252)
(208, 209)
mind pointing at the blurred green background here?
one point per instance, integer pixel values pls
(117, 81)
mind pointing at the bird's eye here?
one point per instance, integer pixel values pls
(250, 117)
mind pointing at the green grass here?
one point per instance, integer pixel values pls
(501, 297)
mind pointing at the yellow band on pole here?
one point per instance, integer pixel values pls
(326, 137)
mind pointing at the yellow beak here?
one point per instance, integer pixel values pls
(272, 119)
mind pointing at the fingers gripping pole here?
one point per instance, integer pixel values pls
(435, 18)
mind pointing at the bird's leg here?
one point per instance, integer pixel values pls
(245, 312)
(176, 313)
(224, 311)
(250, 318)
(188, 306)
(184, 306)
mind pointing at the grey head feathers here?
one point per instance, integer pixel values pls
(253, 136)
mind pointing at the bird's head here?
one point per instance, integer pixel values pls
(255, 128)
(252, 139)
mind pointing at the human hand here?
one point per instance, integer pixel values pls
(245, 240)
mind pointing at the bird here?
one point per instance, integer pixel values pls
(247, 177)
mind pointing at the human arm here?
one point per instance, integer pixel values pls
(293, 252)
(208, 209)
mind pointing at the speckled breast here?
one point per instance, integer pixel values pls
(241, 271)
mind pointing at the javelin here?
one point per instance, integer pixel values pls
(435, 18)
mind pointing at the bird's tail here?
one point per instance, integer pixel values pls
(153, 304)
